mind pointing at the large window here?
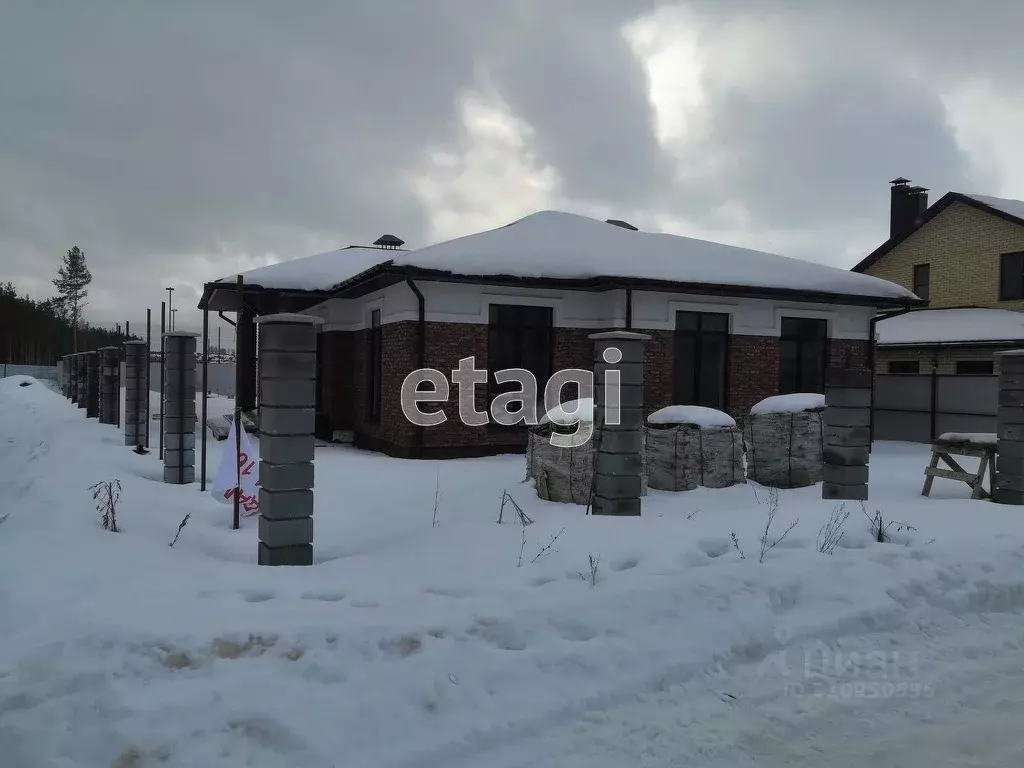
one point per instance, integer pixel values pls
(374, 366)
(1011, 276)
(519, 337)
(922, 281)
(701, 353)
(803, 350)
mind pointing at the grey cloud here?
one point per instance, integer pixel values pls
(574, 79)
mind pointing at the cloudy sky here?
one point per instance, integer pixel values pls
(181, 142)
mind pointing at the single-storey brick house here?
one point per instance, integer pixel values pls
(729, 326)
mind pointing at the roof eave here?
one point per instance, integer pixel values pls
(930, 344)
(351, 288)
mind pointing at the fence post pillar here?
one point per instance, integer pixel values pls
(287, 418)
(110, 385)
(136, 394)
(81, 394)
(619, 395)
(846, 444)
(92, 384)
(1009, 469)
(179, 407)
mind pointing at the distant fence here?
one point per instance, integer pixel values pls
(920, 407)
(222, 378)
(49, 372)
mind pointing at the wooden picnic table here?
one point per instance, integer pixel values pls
(974, 444)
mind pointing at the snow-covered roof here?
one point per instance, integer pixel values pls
(554, 244)
(320, 272)
(951, 326)
(1006, 205)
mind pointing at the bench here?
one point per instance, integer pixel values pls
(976, 445)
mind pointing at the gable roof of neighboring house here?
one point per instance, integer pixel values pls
(554, 248)
(1010, 210)
(959, 326)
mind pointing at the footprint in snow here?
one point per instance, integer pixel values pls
(326, 597)
(256, 596)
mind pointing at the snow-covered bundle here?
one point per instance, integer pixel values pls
(690, 446)
(783, 437)
(565, 474)
(560, 474)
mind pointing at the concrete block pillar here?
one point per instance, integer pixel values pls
(72, 392)
(287, 352)
(92, 384)
(179, 407)
(618, 422)
(846, 438)
(110, 385)
(1009, 469)
(136, 394)
(82, 389)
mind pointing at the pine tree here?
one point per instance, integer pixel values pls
(72, 279)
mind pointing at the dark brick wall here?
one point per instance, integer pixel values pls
(659, 363)
(848, 353)
(753, 372)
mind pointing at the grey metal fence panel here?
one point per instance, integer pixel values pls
(49, 372)
(969, 395)
(920, 407)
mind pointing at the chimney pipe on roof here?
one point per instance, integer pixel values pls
(389, 242)
(906, 206)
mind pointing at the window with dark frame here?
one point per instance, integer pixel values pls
(905, 366)
(975, 367)
(374, 366)
(803, 354)
(922, 281)
(1011, 276)
(519, 336)
(701, 357)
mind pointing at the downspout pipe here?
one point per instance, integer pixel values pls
(629, 308)
(421, 349)
(227, 320)
(872, 343)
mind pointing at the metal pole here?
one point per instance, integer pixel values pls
(206, 371)
(149, 341)
(238, 411)
(163, 321)
(127, 329)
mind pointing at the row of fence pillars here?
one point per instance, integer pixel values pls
(287, 348)
(287, 377)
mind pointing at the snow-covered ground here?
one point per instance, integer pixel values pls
(414, 644)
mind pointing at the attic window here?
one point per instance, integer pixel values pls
(621, 223)
(388, 242)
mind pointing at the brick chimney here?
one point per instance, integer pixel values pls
(906, 207)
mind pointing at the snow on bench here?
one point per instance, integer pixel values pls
(981, 438)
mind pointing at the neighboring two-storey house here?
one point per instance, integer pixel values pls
(964, 255)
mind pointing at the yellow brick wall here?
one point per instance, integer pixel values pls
(945, 357)
(962, 245)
